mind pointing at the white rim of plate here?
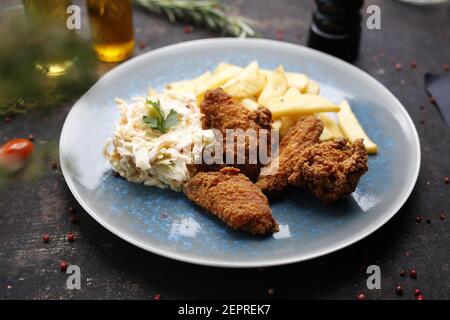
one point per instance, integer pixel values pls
(276, 262)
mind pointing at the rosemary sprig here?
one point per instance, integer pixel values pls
(210, 13)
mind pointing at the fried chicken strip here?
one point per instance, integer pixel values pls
(221, 112)
(330, 170)
(305, 132)
(234, 199)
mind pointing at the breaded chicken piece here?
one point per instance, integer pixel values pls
(234, 199)
(330, 170)
(221, 112)
(305, 132)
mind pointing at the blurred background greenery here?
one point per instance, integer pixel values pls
(42, 65)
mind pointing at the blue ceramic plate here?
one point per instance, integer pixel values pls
(166, 223)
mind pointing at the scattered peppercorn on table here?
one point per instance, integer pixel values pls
(43, 230)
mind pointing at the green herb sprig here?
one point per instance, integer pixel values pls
(213, 14)
(158, 121)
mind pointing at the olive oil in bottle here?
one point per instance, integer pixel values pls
(50, 16)
(47, 13)
(111, 29)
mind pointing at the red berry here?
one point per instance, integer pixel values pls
(446, 180)
(413, 273)
(188, 29)
(417, 292)
(54, 165)
(280, 34)
(70, 237)
(31, 137)
(432, 100)
(157, 296)
(419, 219)
(413, 64)
(420, 297)
(63, 266)
(398, 66)
(399, 290)
(361, 296)
(442, 216)
(46, 238)
(402, 273)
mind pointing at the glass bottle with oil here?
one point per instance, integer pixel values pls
(111, 29)
(47, 12)
(50, 17)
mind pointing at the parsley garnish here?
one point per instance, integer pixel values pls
(158, 121)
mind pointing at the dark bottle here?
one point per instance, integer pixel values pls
(336, 28)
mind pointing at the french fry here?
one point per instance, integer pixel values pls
(351, 128)
(276, 125)
(266, 72)
(296, 106)
(312, 88)
(216, 80)
(326, 135)
(276, 85)
(248, 83)
(224, 66)
(286, 124)
(188, 85)
(292, 92)
(204, 77)
(250, 104)
(181, 86)
(331, 126)
(283, 125)
(297, 80)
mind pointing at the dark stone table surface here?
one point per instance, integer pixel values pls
(113, 269)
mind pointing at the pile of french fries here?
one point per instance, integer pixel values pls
(287, 95)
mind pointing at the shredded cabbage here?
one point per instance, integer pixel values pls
(144, 155)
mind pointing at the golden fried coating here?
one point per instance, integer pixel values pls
(305, 132)
(221, 112)
(234, 199)
(330, 170)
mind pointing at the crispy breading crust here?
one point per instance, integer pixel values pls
(234, 199)
(221, 112)
(305, 132)
(330, 170)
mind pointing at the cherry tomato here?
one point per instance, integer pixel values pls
(15, 152)
(21, 148)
